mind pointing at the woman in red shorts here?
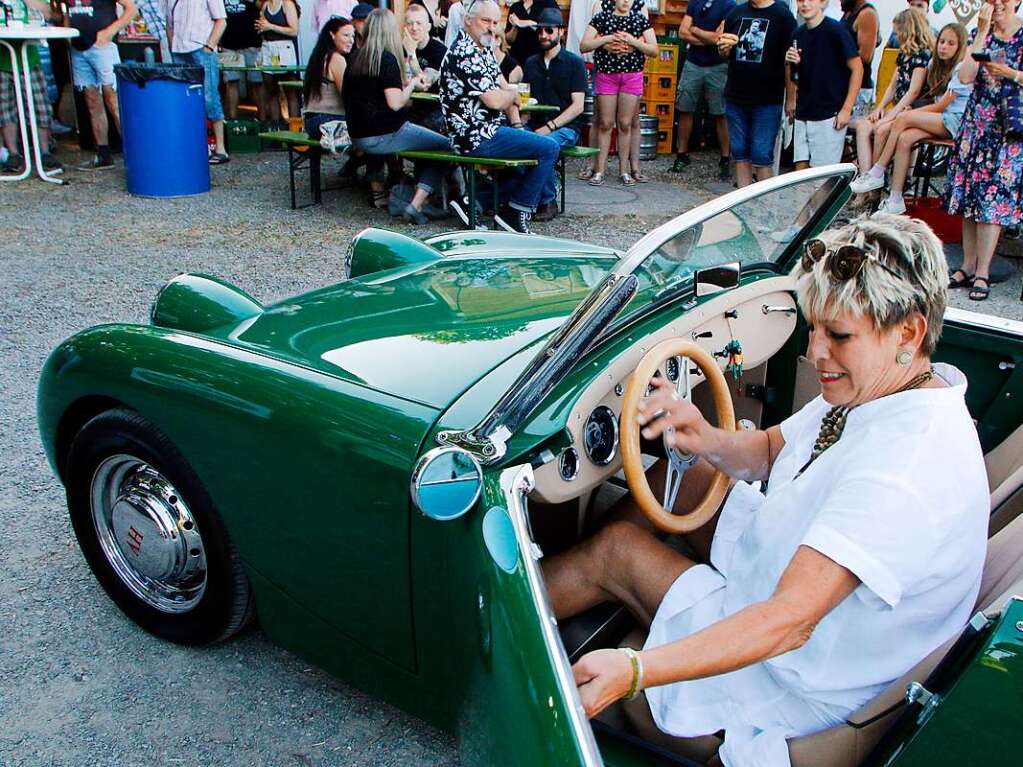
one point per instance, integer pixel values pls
(622, 39)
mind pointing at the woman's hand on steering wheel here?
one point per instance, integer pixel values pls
(602, 676)
(665, 409)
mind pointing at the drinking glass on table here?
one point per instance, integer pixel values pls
(523, 94)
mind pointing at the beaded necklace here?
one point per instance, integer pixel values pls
(833, 423)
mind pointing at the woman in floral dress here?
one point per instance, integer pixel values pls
(985, 175)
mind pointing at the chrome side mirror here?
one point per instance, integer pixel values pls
(446, 483)
(716, 279)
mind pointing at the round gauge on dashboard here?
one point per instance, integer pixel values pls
(568, 464)
(600, 436)
(672, 369)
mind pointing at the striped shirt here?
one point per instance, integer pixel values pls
(190, 22)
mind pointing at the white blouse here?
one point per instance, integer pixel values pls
(901, 500)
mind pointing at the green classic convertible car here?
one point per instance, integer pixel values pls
(376, 468)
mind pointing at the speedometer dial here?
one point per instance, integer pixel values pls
(600, 436)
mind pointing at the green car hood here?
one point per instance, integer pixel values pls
(427, 332)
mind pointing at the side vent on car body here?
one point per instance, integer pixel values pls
(199, 302)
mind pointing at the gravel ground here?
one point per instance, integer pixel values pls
(79, 683)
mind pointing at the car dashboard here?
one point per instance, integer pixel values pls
(760, 316)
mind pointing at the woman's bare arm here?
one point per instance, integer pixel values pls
(811, 587)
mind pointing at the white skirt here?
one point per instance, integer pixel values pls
(755, 711)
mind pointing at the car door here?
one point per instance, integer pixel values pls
(989, 352)
(520, 704)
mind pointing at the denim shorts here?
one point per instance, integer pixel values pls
(95, 67)
(211, 79)
(752, 132)
(952, 122)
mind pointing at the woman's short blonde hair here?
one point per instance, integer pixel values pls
(913, 31)
(903, 244)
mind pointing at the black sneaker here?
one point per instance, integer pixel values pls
(14, 163)
(51, 163)
(461, 209)
(414, 216)
(99, 163)
(546, 212)
(512, 219)
(682, 162)
(724, 168)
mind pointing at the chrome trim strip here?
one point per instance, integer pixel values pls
(639, 252)
(987, 321)
(516, 482)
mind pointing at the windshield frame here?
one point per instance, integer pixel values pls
(592, 322)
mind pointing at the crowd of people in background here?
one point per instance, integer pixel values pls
(755, 69)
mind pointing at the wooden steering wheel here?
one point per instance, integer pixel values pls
(678, 462)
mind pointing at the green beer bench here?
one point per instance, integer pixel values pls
(471, 164)
(302, 152)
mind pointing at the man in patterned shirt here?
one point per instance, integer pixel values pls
(473, 98)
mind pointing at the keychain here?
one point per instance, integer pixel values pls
(734, 366)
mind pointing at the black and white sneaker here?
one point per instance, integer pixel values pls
(461, 209)
(512, 219)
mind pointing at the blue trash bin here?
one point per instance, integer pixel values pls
(163, 125)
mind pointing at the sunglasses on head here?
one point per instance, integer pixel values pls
(844, 262)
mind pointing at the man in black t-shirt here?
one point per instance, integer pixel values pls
(93, 56)
(239, 47)
(424, 54)
(754, 41)
(556, 77)
(827, 74)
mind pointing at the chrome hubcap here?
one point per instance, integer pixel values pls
(148, 534)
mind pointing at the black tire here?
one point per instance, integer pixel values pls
(226, 605)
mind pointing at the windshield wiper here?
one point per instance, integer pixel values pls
(486, 441)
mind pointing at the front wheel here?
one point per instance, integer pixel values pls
(150, 533)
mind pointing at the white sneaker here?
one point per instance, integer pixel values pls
(894, 208)
(866, 183)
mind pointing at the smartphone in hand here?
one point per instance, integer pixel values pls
(983, 57)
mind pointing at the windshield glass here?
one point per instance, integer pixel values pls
(754, 231)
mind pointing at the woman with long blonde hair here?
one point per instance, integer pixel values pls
(938, 120)
(376, 94)
(916, 42)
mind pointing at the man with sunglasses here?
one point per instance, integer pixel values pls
(556, 77)
(474, 97)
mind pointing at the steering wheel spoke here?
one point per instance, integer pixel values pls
(660, 514)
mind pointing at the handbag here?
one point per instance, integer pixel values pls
(334, 136)
(1012, 110)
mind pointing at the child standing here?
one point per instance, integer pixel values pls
(622, 39)
(826, 76)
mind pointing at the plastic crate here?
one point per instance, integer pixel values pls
(242, 136)
(662, 88)
(667, 59)
(664, 143)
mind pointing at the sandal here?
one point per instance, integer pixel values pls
(596, 179)
(978, 293)
(964, 282)
(627, 180)
(586, 173)
(638, 176)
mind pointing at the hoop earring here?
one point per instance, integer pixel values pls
(904, 357)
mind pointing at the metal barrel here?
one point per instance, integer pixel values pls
(648, 137)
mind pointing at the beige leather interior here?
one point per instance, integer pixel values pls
(1005, 478)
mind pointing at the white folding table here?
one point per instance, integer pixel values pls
(16, 40)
